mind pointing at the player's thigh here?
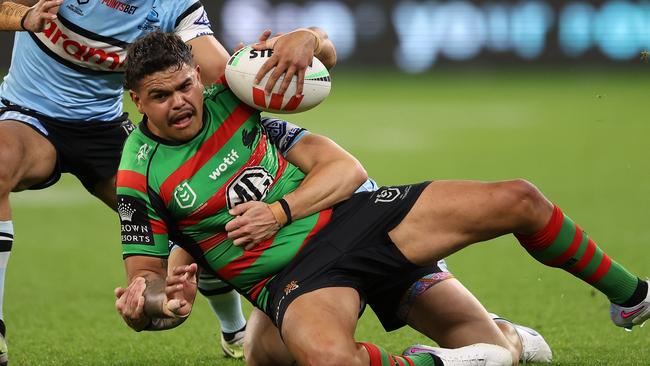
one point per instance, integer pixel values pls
(263, 345)
(449, 215)
(450, 315)
(105, 190)
(26, 157)
(318, 327)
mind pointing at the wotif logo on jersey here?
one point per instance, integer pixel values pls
(227, 162)
(184, 195)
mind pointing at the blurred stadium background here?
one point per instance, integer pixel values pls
(554, 92)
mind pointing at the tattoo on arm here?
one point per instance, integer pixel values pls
(164, 323)
(155, 296)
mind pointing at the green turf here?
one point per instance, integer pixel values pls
(581, 136)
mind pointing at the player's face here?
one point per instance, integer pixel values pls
(173, 102)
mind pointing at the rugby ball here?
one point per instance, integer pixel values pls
(240, 75)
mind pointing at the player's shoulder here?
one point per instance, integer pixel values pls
(138, 150)
(218, 95)
(174, 12)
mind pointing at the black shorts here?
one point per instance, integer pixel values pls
(90, 150)
(354, 250)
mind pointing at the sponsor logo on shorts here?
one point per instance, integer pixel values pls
(135, 225)
(252, 184)
(184, 195)
(290, 287)
(83, 2)
(388, 194)
(227, 162)
(120, 6)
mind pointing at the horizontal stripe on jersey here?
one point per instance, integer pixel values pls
(183, 192)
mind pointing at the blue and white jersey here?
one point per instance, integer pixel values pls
(73, 70)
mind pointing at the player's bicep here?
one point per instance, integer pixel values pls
(211, 56)
(316, 149)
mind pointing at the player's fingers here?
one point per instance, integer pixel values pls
(241, 208)
(50, 4)
(300, 83)
(170, 291)
(266, 67)
(238, 47)
(287, 80)
(192, 269)
(119, 292)
(274, 77)
(234, 224)
(265, 35)
(180, 270)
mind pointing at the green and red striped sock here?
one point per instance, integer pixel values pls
(379, 357)
(563, 244)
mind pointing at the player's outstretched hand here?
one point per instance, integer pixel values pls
(253, 223)
(180, 290)
(41, 14)
(292, 53)
(130, 304)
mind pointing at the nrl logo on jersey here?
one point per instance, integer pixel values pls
(184, 195)
(143, 153)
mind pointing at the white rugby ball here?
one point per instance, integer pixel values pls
(240, 75)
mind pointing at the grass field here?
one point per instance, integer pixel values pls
(580, 135)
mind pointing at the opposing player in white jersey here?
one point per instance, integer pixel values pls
(61, 103)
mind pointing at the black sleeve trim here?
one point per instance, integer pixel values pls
(187, 12)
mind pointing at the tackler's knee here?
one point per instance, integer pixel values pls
(525, 202)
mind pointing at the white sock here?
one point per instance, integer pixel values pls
(6, 241)
(226, 305)
(228, 309)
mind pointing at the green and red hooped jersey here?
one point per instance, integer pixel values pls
(182, 192)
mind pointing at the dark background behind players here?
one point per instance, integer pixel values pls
(417, 36)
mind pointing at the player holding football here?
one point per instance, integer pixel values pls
(313, 262)
(61, 103)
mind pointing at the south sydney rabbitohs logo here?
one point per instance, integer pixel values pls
(143, 153)
(184, 195)
(252, 184)
(389, 194)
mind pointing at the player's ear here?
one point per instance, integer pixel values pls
(136, 100)
(197, 68)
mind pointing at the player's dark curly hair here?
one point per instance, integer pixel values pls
(156, 51)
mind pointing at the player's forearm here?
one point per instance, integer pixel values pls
(332, 175)
(154, 296)
(164, 323)
(11, 15)
(154, 300)
(327, 52)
